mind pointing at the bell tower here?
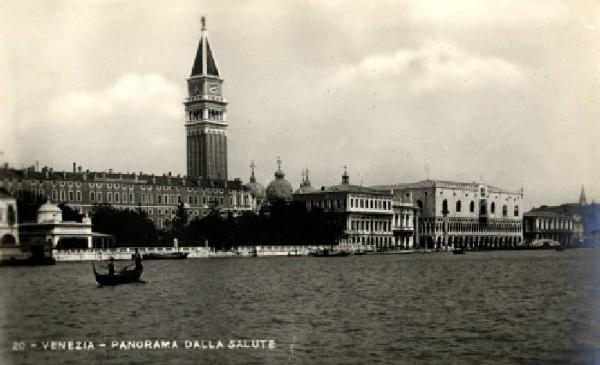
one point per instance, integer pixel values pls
(205, 116)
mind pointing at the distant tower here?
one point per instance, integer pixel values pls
(345, 177)
(205, 116)
(582, 198)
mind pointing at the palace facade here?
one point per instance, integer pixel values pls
(456, 214)
(158, 196)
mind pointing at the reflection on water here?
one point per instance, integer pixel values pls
(502, 307)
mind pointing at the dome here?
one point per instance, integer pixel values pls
(49, 212)
(256, 189)
(305, 186)
(304, 189)
(280, 188)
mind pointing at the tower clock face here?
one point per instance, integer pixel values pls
(195, 89)
(213, 89)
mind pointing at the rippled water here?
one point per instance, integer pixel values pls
(493, 307)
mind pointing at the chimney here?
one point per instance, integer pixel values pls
(79, 169)
(110, 171)
(169, 173)
(74, 167)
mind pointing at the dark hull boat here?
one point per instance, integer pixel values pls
(458, 251)
(327, 253)
(165, 256)
(122, 277)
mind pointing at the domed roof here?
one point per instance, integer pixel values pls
(305, 186)
(256, 189)
(49, 208)
(49, 212)
(280, 188)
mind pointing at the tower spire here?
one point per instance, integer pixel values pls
(203, 22)
(582, 198)
(252, 166)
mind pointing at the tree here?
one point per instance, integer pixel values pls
(129, 227)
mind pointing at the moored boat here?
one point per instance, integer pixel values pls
(165, 256)
(122, 277)
(327, 253)
(458, 251)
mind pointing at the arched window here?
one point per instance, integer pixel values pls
(493, 208)
(472, 207)
(516, 210)
(11, 216)
(445, 207)
(482, 208)
(458, 206)
(504, 210)
(420, 204)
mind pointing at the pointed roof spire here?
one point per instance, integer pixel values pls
(252, 166)
(582, 197)
(204, 64)
(279, 174)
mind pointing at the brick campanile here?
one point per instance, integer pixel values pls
(205, 116)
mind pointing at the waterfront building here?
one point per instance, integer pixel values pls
(279, 189)
(205, 116)
(365, 213)
(9, 233)
(456, 214)
(50, 229)
(403, 222)
(547, 228)
(585, 217)
(157, 196)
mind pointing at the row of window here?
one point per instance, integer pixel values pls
(7, 182)
(370, 203)
(367, 225)
(482, 208)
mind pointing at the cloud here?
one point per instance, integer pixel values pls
(131, 93)
(434, 64)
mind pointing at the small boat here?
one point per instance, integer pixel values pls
(122, 277)
(458, 251)
(165, 256)
(560, 248)
(326, 253)
(359, 253)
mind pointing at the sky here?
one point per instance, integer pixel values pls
(504, 92)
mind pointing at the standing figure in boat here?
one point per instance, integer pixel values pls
(111, 266)
(137, 259)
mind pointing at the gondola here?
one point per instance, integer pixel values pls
(122, 277)
(165, 256)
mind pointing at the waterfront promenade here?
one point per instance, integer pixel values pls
(124, 253)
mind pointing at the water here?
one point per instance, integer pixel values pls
(494, 307)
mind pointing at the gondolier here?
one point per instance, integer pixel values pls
(111, 266)
(137, 259)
